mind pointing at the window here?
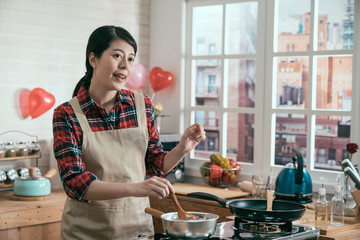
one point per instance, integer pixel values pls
(293, 90)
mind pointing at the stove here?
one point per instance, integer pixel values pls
(243, 229)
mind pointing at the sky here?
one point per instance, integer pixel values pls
(329, 7)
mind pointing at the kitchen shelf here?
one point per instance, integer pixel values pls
(15, 137)
(18, 136)
(21, 157)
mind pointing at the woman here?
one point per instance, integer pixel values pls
(106, 141)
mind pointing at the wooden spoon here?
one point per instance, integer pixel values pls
(181, 212)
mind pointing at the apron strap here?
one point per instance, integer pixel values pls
(74, 102)
(140, 109)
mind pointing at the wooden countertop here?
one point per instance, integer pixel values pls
(27, 213)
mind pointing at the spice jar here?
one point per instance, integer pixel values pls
(11, 176)
(10, 150)
(22, 149)
(33, 147)
(2, 151)
(23, 172)
(2, 176)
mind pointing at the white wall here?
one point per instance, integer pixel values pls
(167, 51)
(42, 44)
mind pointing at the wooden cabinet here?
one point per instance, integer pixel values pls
(25, 220)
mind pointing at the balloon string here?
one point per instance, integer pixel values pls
(152, 97)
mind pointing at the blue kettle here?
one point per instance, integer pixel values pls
(293, 182)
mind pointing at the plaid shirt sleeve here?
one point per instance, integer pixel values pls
(67, 151)
(155, 154)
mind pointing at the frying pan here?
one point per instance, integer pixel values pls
(255, 209)
(202, 227)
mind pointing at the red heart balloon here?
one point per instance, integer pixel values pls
(40, 101)
(160, 79)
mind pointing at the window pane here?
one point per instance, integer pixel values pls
(207, 30)
(334, 82)
(241, 28)
(332, 133)
(293, 27)
(335, 24)
(292, 82)
(240, 137)
(290, 133)
(210, 121)
(208, 82)
(241, 82)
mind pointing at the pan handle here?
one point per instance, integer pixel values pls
(154, 212)
(223, 202)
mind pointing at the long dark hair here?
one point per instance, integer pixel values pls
(98, 42)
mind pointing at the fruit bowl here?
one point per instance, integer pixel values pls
(218, 176)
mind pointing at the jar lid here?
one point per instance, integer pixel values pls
(21, 142)
(9, 143)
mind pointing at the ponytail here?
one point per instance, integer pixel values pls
(85, 79)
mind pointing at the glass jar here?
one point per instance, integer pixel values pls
(22, 149)
(10, 150)
(34, 148)
(2, 176)
(2, 151)
(11, 176)
(23, 172)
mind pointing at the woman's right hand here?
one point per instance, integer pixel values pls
(155, 187)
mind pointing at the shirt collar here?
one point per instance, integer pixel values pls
(87, 102)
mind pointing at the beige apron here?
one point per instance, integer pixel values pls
(113, 156)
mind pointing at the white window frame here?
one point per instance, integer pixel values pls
(263, 110)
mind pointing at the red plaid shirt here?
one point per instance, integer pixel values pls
(68, 138)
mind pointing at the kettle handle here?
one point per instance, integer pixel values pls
(300, 165)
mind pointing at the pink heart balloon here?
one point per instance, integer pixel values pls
(137, 77)
(40, 102)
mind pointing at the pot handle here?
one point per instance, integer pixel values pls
(208, 196)
(300, 167)
(52, 172)
(153, 212)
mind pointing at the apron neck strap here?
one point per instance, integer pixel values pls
(74, 102)
(140, 108)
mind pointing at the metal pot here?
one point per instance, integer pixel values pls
(33, 185)
(202, 227)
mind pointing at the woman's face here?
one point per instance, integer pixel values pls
(114, 67)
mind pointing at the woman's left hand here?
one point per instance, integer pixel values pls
(192, 136)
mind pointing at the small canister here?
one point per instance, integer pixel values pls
(34, 147)
(10, 149)
(22, 149)
(2, 151)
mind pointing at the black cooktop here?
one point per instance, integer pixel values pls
(228, 231)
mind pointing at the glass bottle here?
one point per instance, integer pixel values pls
(337, 206)
(321, 210)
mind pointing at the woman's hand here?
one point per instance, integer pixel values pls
(192, 136)
(153, 187)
